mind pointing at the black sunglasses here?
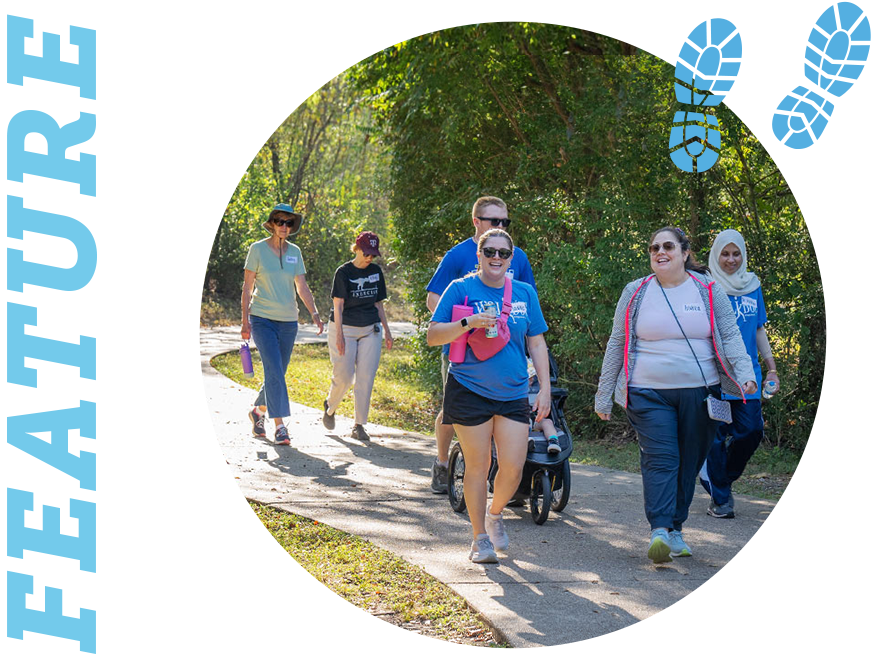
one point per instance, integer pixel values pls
(668, 246)
(496, 221)
(504, 253)
(293, 222)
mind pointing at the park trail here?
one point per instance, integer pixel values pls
(582, 574)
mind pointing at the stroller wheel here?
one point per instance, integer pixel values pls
(540, 498)
(456, 479)
(561, 495)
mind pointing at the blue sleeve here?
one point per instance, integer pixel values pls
(444, 274)
(444, 310)
(524, 271)
(762, 315)
(537, 323)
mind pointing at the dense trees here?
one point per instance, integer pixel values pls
(571, 129)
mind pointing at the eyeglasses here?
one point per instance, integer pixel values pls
(290, 222)
(504, 253)
(668, 246)
(496, 221)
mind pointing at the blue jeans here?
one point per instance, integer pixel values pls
(275, 342)
(675, 433)
(726, 464)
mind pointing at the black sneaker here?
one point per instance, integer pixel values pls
(438, 478)
(358, 432)
(329, 420)
(281, 435)
(257, 428)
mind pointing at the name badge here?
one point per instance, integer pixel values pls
(291, 260)
(373, 278)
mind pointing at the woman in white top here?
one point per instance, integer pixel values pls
(674, 342)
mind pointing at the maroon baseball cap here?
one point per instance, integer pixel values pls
(368, 242)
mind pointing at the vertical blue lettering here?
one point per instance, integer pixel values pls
(58, 139)
(20, 272)
(49, 539)
(56, 452)
(49, 67)
(51, 622)
(20, 345)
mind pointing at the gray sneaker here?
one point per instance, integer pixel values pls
(359, 433)
(328, 420)
(438, 478)
(721, 510)
(482, 550)
(496, 530)
(678, 547)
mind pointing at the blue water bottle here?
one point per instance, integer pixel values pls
(769, 389)
(247, 365)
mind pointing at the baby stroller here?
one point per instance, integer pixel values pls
(546, 479)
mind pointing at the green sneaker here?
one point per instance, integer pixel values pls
(659, 546)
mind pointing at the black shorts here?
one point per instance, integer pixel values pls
(468, 408)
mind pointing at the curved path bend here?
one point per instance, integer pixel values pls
(582, 574)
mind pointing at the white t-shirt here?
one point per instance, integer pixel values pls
(663, 359)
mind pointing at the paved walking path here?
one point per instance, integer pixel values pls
(582, 574)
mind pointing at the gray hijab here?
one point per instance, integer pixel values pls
(741, 282)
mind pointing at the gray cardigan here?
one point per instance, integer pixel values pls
(732, 362)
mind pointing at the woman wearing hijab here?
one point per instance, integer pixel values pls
(673, 343)
(275, 267)
(724, 465)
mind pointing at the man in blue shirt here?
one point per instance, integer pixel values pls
(487, 213)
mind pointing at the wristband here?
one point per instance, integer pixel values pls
(315, 313)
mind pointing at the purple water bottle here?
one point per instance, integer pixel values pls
(247, 366)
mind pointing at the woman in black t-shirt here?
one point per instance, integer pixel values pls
(354, 334)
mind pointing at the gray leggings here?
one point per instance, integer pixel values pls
(358, 365)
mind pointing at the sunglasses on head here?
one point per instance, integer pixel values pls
(289, 222)
(504, 253)
(668, 246)
(496, 221)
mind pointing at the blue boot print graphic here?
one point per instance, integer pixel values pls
(834, 58)
(705, 71)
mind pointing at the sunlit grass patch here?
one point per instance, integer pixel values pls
(397, 401)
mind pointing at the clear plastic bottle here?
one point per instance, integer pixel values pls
(769, 389)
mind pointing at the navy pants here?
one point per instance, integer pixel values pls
(275, 342)
(725, 464)
(675, 434)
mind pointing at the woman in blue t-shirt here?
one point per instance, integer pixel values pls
(487, 400)
(724, 465)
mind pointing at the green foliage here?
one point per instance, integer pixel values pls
(326, 161)
(571, 129)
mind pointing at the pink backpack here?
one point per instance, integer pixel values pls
(484, 347)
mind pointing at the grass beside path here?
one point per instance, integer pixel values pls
(397, 401)
(227, 583)
(400, 401)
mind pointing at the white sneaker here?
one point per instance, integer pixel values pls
(496, 530)
(482, 550)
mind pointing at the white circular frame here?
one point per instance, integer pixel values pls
(363, 620)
